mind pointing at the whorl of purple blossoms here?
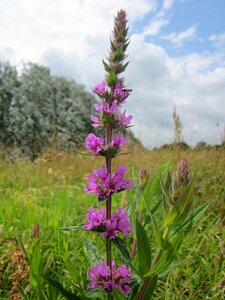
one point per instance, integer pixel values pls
(106, 107)
(123, 120)
(100, 275)
(99, 89)
(118, 93)
(103, 185)
(119, 223)
(119, 120)
(95, 144)
(119, 141)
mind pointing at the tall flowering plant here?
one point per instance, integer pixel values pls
(160, 206)
(103, 182)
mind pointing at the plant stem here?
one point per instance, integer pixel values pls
(109, 134)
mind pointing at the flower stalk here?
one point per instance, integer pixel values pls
(104, 182)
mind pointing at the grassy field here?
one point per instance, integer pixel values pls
(49, 192)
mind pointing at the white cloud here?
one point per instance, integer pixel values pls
(71, 37)
(178, 38)
(155, 26)
(218, 39)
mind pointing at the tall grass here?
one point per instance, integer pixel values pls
(49, 192)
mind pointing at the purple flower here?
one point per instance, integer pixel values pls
(123, 222)
(101, 184)
(119, 141)
(99, 89)
(118, 92)
(97, 122)
(106, 107)
(100, 276)
(123, 120)
(94, 143)
(96, 219)
(119, 223)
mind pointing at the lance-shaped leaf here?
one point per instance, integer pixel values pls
(120, 245)
(72, 228)
(61, 289)
(158, 237)
(93, 252)
(143, 248)
(166, 258)
(181, 207)
(150, 289)
(193, 217)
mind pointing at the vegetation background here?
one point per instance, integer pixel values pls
(44, 120)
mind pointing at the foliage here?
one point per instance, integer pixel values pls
(53, 197)
(39, 110)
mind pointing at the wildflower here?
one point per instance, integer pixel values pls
(96, 219)
(101, 184)
(94, 143)
(122, 120)
(97, 122)
(119, 93)
(119, 141)
(106, 107)
(182, 176)
(99, 89)
(123, 222)
(100, 275)
(110, 228)
(143, 176)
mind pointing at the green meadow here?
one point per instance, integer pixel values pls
(49, 192)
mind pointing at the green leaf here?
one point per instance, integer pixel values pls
(149, 292)
(111, 79)
(172, 267)
(93, 252)
(120, 245)
(72, 228)
(166, 259)
(134, 291)
(22, 247)
(143, 248)
(192, 219)
(106, 66)
(181, 207)
(60, 288)
(97, 293)
(36, 265)
(117, 295)
(123, 68)
(158, 237)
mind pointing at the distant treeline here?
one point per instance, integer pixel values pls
(184, 146)
(38, 110)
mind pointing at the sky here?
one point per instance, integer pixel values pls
(176, 54)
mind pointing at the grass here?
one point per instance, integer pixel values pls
(49, 192)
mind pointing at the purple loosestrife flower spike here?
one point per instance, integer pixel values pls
(102, 276)
(103, 182)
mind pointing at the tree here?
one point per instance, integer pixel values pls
(8, 83)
